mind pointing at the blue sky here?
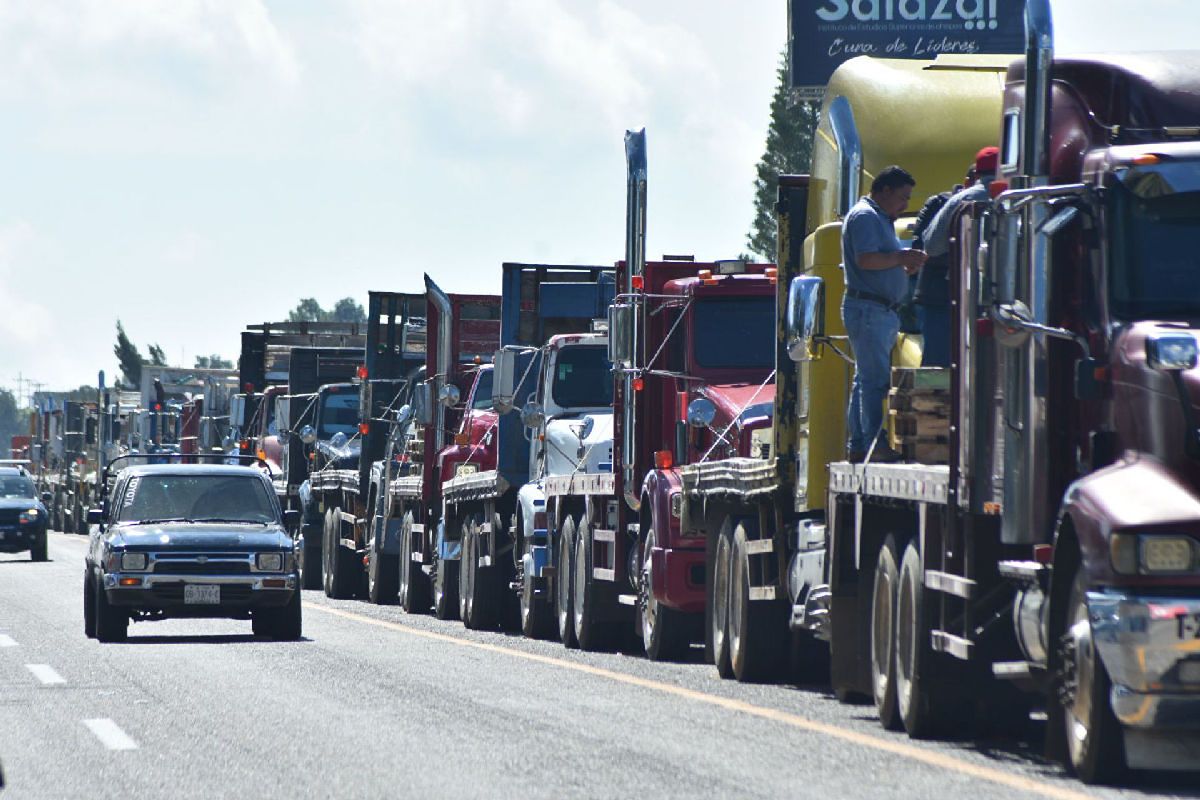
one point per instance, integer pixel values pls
(195, 165)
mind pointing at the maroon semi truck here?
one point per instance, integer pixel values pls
(1058, 550)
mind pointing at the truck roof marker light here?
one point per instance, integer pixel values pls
(261, 455)
(638, 384)
(664, 459)
(477, 360)
(992, 509)
(244, 445)
(248, 387)
(1147, 160)
(362, 372)
(638, 282)
(364, 428)
(1043, 553)
(706, 277)
(772, 274)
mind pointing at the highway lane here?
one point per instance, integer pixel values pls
(375, 703)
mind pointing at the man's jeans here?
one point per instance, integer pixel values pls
(872, 329)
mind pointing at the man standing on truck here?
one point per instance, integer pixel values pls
(933, 289)
(876, 268)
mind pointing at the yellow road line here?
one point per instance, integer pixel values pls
(929, 757)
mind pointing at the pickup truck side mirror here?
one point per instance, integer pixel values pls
(291, 519)
(47, 497)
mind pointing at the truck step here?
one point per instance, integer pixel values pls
(762, 592)
(602, 574)
(759, 547)
(1025, 573)
(627, 599)
(601, 535)
(949, 584)
(957, 646)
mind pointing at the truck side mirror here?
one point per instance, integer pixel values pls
(504, 376)
(620, 335)
(404, 416)
(805, 323)
(449, 395)
(701, 412)
(237, 411)
(308, 434)
(423, 403)
(532, 415)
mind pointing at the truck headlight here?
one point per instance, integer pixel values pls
(1152, 554)
(29, 517)
(269, 562)
(133, 562)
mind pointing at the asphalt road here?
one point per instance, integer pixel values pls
(375, 703)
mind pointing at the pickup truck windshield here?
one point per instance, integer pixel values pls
(734, 332)
(339, 414)
(230, 498)
(16, 486)
(582, 377)
(1155, 265)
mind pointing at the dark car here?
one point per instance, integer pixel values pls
(190, 540)
(23, 518)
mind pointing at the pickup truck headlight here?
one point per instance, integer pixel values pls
(1153, 554)
(133, 562)
(29, 517)
(269, 562)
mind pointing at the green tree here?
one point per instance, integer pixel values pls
(12, 421)
(308, 310)
(789, 152)
(346, 310)
(213, 362)
(129, 358)
(157, 357)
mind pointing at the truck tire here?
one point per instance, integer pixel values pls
(383, 571)
(89, 605)
(537, 617)
(590, 632)
(478, 602)
(38, 551)
(923, 702)
(755, 628)
(112, 624)
(341, 577)
(664, 630)
(564, 584)
(79, 524)
(415, 596)
(719, 599)
(883, 635)
(1095, 744)
(68, 519)
(445, 589)
(310, 567)
(326, 555)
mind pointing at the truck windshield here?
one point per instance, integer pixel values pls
(582, 377)
(339, 414)
(734, 332)
(229, 498)
(16, 486)
(482, 399)
(1155, 266)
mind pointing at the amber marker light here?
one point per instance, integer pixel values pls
(664, 459)
(362, 372)
(638, 384)
(364, 428)
(1147, 160)
(638, 282)
(131, 581)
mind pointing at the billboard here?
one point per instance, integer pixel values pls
(824, 33)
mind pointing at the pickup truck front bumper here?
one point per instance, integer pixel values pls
(1151, 649)
(239, 594)
(18, 539)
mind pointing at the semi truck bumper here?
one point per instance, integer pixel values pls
(678, 578)
(1151, 649)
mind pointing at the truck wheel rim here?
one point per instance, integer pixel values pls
(720, 596)
(738, 597)
(562, 585)
(581, 569)
(906, 644)
(1079, 670)
(649, 601)
(881, 633)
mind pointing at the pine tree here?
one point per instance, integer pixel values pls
(129, 358)
(789, 152)
(157, 357)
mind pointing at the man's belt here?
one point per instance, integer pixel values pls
(871, 297)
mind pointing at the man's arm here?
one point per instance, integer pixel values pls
(911, 260)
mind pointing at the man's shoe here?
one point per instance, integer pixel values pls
(883, 454)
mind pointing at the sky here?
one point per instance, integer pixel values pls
(193, 166)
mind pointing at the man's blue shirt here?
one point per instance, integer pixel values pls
(867, 229)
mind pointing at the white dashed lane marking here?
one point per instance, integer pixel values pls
(110, 734)
(45, 673)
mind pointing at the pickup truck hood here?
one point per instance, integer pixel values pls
(201, 536)
(21, 503)
(565, 449)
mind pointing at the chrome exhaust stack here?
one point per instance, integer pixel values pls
(635, 265)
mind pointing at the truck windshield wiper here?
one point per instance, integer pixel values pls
(235, 521)
(160, 520)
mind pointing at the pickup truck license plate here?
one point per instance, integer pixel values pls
(201, 595)
(1189, 626)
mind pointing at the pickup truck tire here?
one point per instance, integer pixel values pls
(883, 635)
(38, 551)
(590, 632)
(925, 705)
(564, 584)
(1095, 743)
(281, 624)
(664, 630)
(719, 599)
(756, 627)
(112, 624)
(89, 605)
(445, 589)
(310, 572)
(414, 590)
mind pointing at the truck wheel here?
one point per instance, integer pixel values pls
(755, 629)
(445, 589)
(663, 629)
(883, 635)
(310, 567)
(38, 551)
(89, 605)
(112, 624)
(564, 584)
(414, 583)
(920, 689)
(80, 521)
(383, 571)
(68, 520)
(341, 565)
(1095, 748)
(537, 621)
(719, 599)
(477, 601)
(327, 556)
(589, 631)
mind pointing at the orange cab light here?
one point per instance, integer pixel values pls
(664, 459)
(131, 581)
(638, 384)
(1101, 374)
(362, 372)
(638, 282)
(997, 188)
(461, 439)
(261, 455)
(244, 445)
(1147, 160)
(248, 387)
(706, 277)
(771, 272)
(364, 428)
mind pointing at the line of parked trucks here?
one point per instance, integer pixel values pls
(651, 454)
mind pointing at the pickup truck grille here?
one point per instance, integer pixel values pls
(196, 568)
(9, 516)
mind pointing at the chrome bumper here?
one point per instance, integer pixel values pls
(149, 580)
(1151, 649)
